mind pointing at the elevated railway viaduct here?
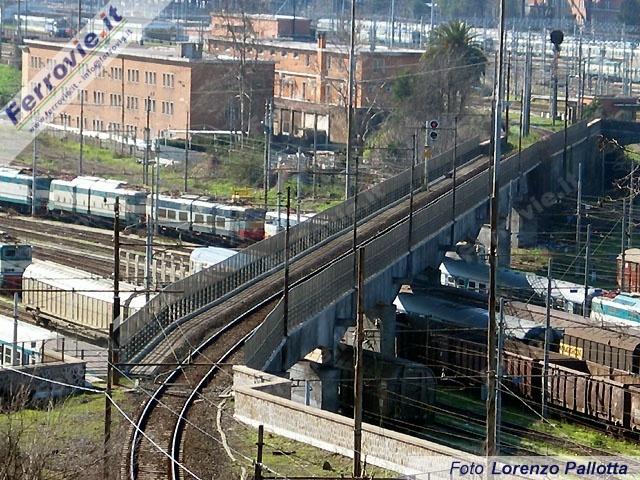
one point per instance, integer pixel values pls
(238, 304)
(399, 243)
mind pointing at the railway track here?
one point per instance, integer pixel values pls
(232, 320)
(165, 415)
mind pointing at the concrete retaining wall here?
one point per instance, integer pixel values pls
(264, 399)
(70, 372)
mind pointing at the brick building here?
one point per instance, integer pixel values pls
(311, 78)
(261, 26)
(180, 83)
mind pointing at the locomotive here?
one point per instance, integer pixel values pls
(93, 199)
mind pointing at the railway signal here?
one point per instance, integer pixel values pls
(432, 131)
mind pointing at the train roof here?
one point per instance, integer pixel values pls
(623, 300)
(202, 201)
(211, 255)
(66, 278)
(460, 315)
(624, 337)
(26, 331)
(106, 185)
(10, 172)
(518, 280)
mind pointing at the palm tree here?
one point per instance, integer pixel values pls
(454, 63)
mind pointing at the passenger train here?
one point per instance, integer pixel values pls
(93, 198)
(526, 286)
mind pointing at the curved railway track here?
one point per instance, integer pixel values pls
(164, 416)
(233, 320)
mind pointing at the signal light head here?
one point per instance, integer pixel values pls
(433, 124)
(433, 135)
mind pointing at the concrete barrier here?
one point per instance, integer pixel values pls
(264, 399)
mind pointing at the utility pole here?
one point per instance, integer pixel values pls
(148, 255)
(279, 200)
(358, 369)
(623, 248)
(587, 266)
(547, 341)
(506, 103)
(14, 347)
(315, 154)
(355, 216)
(285, 298)
(81, 131)
(350, 87)
(19, 24)
(453, 181)
(493, 251)
(566, 126)
(579, 209)
(298, 184)
(267, 150)
(79, 16)
(147, 148)
(157, 182)
(186, 156)
(414, 161)
(258, 466)
(115, 315)
(393, 23)
(500, 373)
(34, 183)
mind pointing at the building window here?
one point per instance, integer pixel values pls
(304, 90)
(283, 53)
(168, 80)
(98, 98)
(132, 103)
(116, 73)
(167, 108)
(150, 78)
(133, 75)
(115, 100)
(83, 95)
(307, 60)
(151, 106)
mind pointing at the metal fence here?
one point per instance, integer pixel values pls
(311, 297)
(202, 290)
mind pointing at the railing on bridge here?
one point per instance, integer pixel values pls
(200, 291)
(333, 283)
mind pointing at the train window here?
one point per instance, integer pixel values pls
(171, 214)
(450, 280)
(483, 287)
(8, 252)
(472, 285)
(199, 218)
(183, 216)
(460, 283)
(220, 222)
(162, 212)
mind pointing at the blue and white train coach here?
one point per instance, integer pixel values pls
(95, 198)
(16, 189)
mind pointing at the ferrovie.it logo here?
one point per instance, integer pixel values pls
(55, 82)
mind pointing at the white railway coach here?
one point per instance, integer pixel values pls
(96, 197)
(30, 341)
(205, 257)
(76, 297)
(16, 188)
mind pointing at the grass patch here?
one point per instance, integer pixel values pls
(10, 80)
(223, 174)
(291, 458)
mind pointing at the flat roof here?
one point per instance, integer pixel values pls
(149, 53)
(313, 46)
